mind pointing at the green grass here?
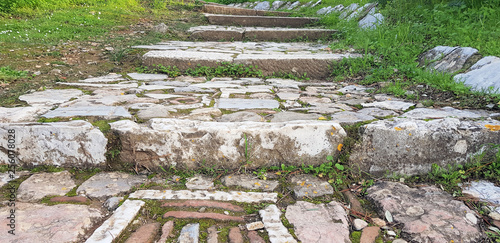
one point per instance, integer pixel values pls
(7, 74)
(411, 28)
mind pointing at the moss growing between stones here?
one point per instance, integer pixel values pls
(355, 236)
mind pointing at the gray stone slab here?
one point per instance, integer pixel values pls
(449, 61)
(51, 96)
(484, 190)
(349, 117)
(204, 114)
(322, 223)
(155, 111)
(147, 76)
(107, 184)
(47, 224)
(191, 142)
(293, 116)
(112, 203)
(199, 182)
(284, 83)
(238, 196)
(248, 182)
(241, 116)
(190, 233)
(288, 96)
(353, 89)
(106, 112)
(170, 83)
(112, 77)
(185, 59)
(6, 177)
(390, 105)
(118, 86)
(483, 76)
(427, 214)
(376, 112)
(68, 144)
(409, 147)
(21, 114)
(155, 87)
(278, 233)
(371, 21)
(163, 96)
(309, 186)
(348, 10)
(116, 224)
(265, 5)
(242, 104)
(427, 113)
(41, 185)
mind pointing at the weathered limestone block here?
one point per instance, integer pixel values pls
(483, 76)
(188, 143)
(449, 59)
(409, 147)
(74, 143)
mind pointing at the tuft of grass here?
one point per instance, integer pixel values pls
(7, 74)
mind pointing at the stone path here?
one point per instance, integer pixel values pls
(156, 121)
(226, 214)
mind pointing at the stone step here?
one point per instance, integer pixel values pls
(260, 21)
(217, 33)
(295, 58)
(222, 9)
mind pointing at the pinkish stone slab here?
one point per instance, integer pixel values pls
(319, 222)
(41, 223)
(145, 234)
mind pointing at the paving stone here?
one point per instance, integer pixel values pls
(369, 234)
(427, 214)
(486, 191)
(449, 59)
(147, 76)
(254, 237)
(75, 199)
(376, 112)
(255, 226)
(57, 143)
(118, 86)
(354, 203)
(196, 215)
(265, 5)
(235, 235)
(106, 112)
(40, 185)
(106, 184)
(309, 186)
(154, 111)
(21, 114)
(117, 223)
(145, 234)
(349, 117)
(409, 147)
(190, 233)
(204, 203)
(379, 222)
(45, 224)
(112, 203)
(390, 105)
(166, 231)
(243, 104)
(241, 116)
(212, 234)
(240, 10)
(51, 96)
(112, 77)
(247, 182)
(494, 216)
(427, 113)
(319, 222)
(246, 197)
(399, 241)
(278, 233)
(200, 182)
(288, 96)
(482, 76)
(353, 89)
(191, 142)
(359, 224)
(150, 87)
(293, 116)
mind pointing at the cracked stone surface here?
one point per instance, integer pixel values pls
(428, 214)
(107, 184)
(319, 222)
(41, 223)
(246, 197)
(309, 186)
(272, 223)
(40, 185)
(248, 182)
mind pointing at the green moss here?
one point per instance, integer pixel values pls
(355, 236)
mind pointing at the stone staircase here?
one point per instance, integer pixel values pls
(185, 123)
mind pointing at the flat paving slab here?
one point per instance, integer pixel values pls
(107, 184)
(40, 185)
(47, 224)
(106, 112)
(246, 197)
(244, 104)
